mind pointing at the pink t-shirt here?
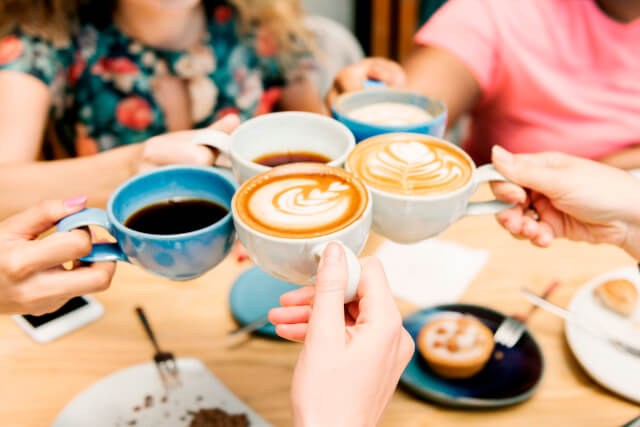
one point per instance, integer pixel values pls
(556, 75)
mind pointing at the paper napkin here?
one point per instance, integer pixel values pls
(432, 271)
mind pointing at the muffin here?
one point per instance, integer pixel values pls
(618, 295)
(456, 346)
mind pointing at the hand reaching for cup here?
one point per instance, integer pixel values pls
(175, 147)
(568, 197)
(351, 78)
(32, 279)
(353, 355)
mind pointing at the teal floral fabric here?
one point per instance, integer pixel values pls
(101, 82)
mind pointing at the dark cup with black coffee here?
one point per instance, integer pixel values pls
(173, 221)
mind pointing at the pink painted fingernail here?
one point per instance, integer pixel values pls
(75, 201)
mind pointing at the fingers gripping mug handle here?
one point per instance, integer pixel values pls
(217, 140)
(353, 269)
(488, 173)
(101, 252)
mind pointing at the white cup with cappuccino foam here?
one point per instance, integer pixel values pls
(284, 132)
(285, 218)
(419, 184)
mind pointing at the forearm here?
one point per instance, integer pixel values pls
(301, 95)
(628, 158)
(438, 74)
(24, 185)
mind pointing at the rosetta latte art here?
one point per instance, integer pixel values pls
(301, 204)
(410, 167)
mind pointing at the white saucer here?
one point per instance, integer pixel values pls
(119, 399)
(612, 368)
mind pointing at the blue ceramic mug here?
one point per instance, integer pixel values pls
(175, 256)
(348, 102)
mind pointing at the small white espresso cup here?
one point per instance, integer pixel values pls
(278, 133)
(296, 260)
(411, 219)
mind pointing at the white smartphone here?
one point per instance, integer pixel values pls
(76, 313)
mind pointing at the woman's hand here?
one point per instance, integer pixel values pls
(568, 197)
(353, 355)
(352, 77)
(32, 279)
(175, 147)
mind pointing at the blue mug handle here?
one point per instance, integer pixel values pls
(101, 252)
(373, 84)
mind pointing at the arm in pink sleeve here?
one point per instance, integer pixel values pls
(467, 29)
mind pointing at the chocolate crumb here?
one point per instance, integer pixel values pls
(164, 399)
(190, 412)
(199, 398)
(132, 423)
(183, 418)
(136, 409)
(218, 417)
(148, 401)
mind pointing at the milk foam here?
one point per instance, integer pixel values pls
(301, 204)
(390, 114)
(410, 167)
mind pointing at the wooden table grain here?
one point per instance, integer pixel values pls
(192, 319)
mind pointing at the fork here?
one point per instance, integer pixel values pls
(509, 332)
(165, 362)
(511, 329)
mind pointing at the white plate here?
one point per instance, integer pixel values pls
(112, 401)
(612, 368)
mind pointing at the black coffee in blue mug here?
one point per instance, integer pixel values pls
(173, 221)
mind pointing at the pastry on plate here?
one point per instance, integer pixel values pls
(619, 295)
(456, 346)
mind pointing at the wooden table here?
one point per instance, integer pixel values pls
(36, 381)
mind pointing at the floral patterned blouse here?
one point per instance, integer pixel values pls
(101, 82)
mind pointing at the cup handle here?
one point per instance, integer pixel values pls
(353, 269)
(488, 173)
(101, 252)
(217, 140)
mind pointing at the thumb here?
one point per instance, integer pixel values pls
(226, 124)
(38, 219)
(541, 172)
(327, 317)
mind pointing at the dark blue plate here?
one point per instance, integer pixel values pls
(253, 294)
(504, 381)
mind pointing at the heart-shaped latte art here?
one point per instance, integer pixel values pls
(411, 152)
(410, 166)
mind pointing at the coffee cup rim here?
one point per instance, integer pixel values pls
(424, 197)
(335, 107)
(114, 222)
(233, 150)
(311, 240)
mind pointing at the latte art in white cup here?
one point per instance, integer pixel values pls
(419, 184)
(285, 218)
(390, 114)
(406, 165)
(301, 201)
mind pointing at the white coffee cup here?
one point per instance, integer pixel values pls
(277, 133)
(413, 218)
(296, 260)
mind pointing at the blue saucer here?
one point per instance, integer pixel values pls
(509, 380)
(253, 294)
